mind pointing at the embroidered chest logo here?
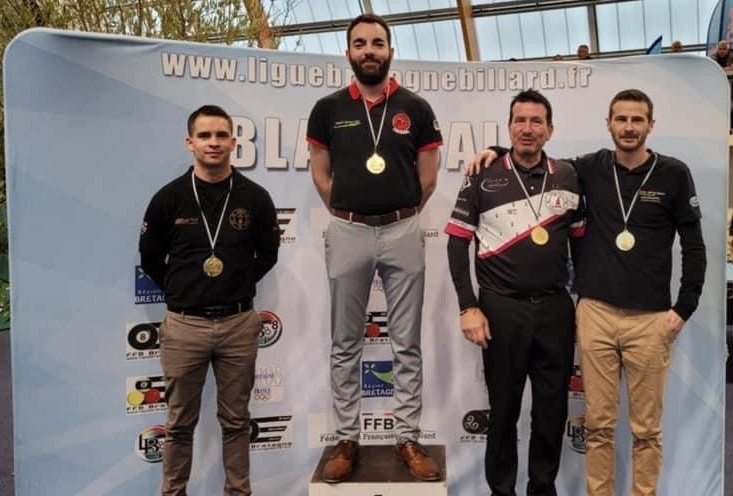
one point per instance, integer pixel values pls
(401, 123)
(186, 221)
(648, 196)
(558, 202)
(239, 219)
(494, 185)
(346, 124)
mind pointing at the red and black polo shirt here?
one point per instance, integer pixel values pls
(492, 208)
(338, 123)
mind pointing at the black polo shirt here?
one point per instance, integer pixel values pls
(640, 278)
(492, 208)
(174, 243)
(338, 123)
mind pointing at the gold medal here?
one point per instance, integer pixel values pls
(625, 241)
(539, 235)
(375, 164)
(213, 267)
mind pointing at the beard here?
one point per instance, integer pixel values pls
(370, 78)
(640, 141)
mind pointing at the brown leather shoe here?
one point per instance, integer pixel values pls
(421, 465)
(341, 463)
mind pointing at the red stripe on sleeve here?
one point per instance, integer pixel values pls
(455, 230)
(430, 146)
(317, 143)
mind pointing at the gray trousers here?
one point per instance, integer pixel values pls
(353, 253)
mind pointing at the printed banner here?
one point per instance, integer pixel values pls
(96, 125)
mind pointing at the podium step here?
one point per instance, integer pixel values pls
(381, 472)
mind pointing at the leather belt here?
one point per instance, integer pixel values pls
(214, 311)
(375, 220)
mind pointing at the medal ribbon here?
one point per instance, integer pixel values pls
(381, 124)
(627, 213)
(536, 212)
(212, 241)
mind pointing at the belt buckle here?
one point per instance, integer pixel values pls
(211, 313)
(373, 220)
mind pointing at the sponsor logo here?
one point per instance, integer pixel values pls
(271, 433)
(429, 233)
(145, 394)
(557, 202)
(346, 124)
(476, 426)
(648, 196)
(376, 379)
(146, 291)
(287, 225)
(268, 386)
(150, 443)
(694, 202)
(272, 329)
(576, 433)
(401, 123)
(240, 219)
(575, 387)
(375, 328)
(143, 341)
(377, 428)
(494, 185)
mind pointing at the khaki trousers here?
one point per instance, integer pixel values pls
(613, 339)
(188, 345)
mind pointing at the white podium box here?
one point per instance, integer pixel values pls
(381, 472)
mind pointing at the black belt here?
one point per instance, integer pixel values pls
(375, 220)
(537, 298)
(214, 311)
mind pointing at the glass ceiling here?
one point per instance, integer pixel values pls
(620, 26)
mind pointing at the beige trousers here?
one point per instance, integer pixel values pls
(188, 345)
(610, 340)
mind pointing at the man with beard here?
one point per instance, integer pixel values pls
(520, 211)
(636, 200)
(374, 160)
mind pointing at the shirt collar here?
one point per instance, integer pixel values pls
(389, 90)
(642, 169)
(546, 165)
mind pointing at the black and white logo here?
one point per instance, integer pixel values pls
(286, 221)
(271, 433)
(142, 341)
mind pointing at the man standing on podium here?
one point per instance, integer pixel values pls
(374, 160)
(520, 210)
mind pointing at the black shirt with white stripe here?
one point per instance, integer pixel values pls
(492, 209)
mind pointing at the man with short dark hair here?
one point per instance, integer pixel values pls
(636, 201)
(374, 160)
(207, 238)
(520, 211)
